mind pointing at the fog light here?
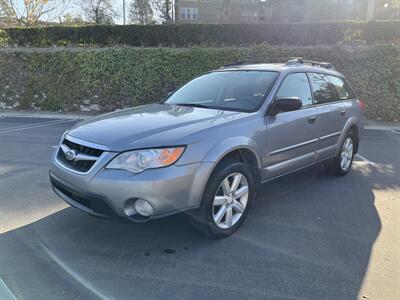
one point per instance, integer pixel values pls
(143, 208)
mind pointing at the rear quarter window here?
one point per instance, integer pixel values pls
(342, 87)
(323, 90)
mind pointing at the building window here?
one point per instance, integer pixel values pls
(189, 13)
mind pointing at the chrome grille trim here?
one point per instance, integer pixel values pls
(83, 157)
(79, 156)
(85, 143)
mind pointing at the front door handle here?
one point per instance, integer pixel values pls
(312, 119)
(343, 112)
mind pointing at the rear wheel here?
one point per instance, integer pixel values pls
(226, 200)
(341, 164)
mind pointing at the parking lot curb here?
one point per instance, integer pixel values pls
(381, 125)
(44, 115)
(389, 128)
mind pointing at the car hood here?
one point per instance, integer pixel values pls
(154, 125)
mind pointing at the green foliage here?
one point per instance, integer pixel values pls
(3, 38)
(183, 35)
(124, 77)
(12, 79)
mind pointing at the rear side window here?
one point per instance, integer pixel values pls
(323, 90)
(296, 85)
(342, 87)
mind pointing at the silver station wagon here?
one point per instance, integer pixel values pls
(208, 146)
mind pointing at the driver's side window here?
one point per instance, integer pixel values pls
(296, 85)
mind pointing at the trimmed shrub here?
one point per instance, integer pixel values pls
(183, 35)
(108, 79)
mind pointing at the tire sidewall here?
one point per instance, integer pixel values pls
(206, 209)
(338, 167)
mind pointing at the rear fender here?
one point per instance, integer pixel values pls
(353, 121)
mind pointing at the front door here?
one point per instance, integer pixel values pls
(291, 136)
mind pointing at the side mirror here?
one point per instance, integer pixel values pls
(284, 104)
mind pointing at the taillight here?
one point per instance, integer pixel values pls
(361, 104)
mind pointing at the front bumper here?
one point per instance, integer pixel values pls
(108, 193)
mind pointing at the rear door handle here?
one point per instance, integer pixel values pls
(342, 112)
(312, 119)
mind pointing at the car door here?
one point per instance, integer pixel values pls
(331, 114)
(291, 136)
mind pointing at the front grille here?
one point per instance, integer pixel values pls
(80, 165)
(83, 149)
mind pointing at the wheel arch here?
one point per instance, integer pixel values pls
(356, 132)
(246, 151)
(351, 125)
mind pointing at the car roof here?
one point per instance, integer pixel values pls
(282, 68)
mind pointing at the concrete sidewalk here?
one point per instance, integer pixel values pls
(368, 124)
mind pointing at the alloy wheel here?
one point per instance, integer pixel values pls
(346, 155)
(230, 200)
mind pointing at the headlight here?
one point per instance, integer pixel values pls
(139, 160)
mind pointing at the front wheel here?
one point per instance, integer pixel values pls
(341, 164)
(226, 200)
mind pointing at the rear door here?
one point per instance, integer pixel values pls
(331, 114)
(291, 136)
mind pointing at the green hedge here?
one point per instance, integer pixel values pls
(104, 80)
(183, 35)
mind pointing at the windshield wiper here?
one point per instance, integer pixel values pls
(192, 105)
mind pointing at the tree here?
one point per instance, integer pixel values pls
(4, 9)
(98, 11)
(141, 12)
(388, 9)
(165, 7)
(31, 12)
(70, 19)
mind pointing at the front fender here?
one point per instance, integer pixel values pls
(216, 154)
(220, 150)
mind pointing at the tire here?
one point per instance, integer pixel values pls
(346, 153)
(205, 219)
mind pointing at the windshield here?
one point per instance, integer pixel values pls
(229, 90)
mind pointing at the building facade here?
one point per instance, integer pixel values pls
(267, 11)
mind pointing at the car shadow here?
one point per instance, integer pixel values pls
(308, 235)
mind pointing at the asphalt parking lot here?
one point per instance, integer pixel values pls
(308, 235)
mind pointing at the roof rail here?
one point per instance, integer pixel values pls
(300, 60)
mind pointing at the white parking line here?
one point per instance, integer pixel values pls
(71, 272)
(365, 159)
(5, 292)
(394, 131)
(29, 125)
(43, 124)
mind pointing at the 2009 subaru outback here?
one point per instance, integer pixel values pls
(209, 145)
